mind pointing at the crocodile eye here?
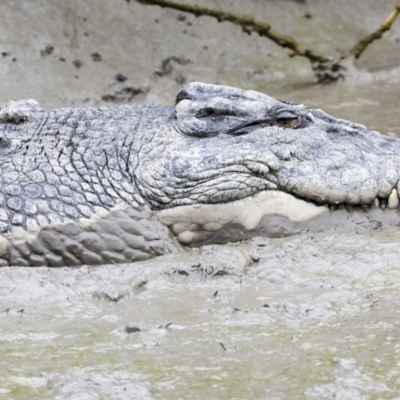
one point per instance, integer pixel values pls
(287, 122)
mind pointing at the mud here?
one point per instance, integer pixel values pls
(311, 316)
(74, 53)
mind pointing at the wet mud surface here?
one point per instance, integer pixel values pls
(311, 316)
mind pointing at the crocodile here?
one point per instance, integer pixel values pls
(126, 183)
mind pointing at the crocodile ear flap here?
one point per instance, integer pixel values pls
(17, 112)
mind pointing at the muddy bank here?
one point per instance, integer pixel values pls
(313, 316)
(73, 53)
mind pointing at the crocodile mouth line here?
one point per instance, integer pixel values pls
(392, 202)
(262, 171)
(271, 213)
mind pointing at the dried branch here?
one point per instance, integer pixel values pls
(359, 48)
(249, 25)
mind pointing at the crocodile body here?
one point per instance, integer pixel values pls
(120, 184)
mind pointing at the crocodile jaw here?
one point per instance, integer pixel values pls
(268, 213)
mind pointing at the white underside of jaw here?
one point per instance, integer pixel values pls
(269, 213)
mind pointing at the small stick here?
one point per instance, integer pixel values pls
(359, 48)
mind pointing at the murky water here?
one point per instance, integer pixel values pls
(311, 316)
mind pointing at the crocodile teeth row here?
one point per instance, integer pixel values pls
(391, 203)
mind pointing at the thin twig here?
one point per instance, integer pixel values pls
(248, 24)
(359, 48)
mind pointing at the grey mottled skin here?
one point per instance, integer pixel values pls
(109, 167)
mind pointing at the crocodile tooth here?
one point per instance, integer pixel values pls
(383, 203)
(393, 200)
(333, 207)
(375, 204)
(349, 207)
(341, 206)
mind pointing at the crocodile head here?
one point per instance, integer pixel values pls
(232, 164)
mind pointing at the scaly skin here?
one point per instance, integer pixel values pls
(79, 185)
